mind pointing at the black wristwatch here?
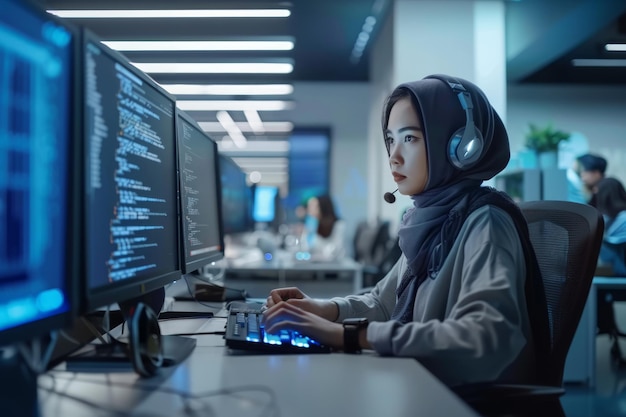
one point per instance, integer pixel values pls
(351, 329)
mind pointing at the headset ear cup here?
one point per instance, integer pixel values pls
(145, 341)
(465, 148)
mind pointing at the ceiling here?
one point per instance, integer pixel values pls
(543, 37)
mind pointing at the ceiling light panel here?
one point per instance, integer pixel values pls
(229, 89)
(169, 14)
(214, 68)
(170, 46)
(234, 105)
(269, 127)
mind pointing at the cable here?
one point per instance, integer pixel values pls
(271, 406)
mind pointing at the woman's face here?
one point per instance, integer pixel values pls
(313, 207)
(407, 148)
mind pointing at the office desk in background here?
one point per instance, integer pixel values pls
(242, 385)
(317, 278)
(580, 366)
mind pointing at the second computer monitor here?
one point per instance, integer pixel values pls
(131, 206)
(202, 237)
(236, 198)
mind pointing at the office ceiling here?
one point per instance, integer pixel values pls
(543, 37)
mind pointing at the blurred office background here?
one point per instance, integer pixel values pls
(335, 61)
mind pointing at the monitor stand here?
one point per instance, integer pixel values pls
(140, 353)
(19, 388)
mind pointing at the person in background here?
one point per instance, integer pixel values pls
(610, 200)
(324, 231)
(591, 170)
(466, 296)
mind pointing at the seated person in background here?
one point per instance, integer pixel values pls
(466, 296)
(324, 233)
(591, 170)
(610, 200)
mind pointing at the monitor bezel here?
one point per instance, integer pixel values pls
(94, 298)
(195, 265)
(33, 329)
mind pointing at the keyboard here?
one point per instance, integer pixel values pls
(244, 331)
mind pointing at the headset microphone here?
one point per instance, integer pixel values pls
(390, 197)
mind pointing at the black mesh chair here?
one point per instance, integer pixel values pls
(566, 237)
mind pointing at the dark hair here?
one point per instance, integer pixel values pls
(395, 96)
(591, 162)
(610, 199)
(328, 217)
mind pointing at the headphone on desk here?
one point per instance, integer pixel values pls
(146, 352)
(465, 146)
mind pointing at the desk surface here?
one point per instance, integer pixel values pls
(227, 384)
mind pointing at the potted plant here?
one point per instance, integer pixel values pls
(545, 142)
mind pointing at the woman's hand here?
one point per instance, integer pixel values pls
(286, 315)
(293, 296)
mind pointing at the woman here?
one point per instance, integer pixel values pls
(463, 295)
(610, 200)
(324, 232)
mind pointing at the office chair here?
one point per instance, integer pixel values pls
(566, 238)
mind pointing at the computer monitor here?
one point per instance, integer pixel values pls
(131, 198)
(236, 198)
(37, 134)
(38, 268)
(200, 195)
(266, 202)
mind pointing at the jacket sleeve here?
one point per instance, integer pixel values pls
(484, 324)
(376, 305)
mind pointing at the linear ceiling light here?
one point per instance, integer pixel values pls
(234, 105)
(200, 45)
(150, 14)
(231, 128)
(599, 62)
(214, 68)
(615, 47)
(269, 127)
(257, 146)
(255, 122)
(229, 89)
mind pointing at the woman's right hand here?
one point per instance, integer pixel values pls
(293, 295)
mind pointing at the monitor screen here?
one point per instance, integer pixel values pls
(236, 198)
(131, 205)
(265, 203)
(203, 241)
(37, 132)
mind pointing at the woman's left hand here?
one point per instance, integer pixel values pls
(286, 316)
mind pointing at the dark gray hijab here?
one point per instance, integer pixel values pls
(429, 228)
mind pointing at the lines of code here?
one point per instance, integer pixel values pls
(199, 192)
(131, 179)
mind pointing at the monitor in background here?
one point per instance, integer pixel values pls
(202, 237)
(236, 198)
(37, 134)
(266, 200)
(130, 193)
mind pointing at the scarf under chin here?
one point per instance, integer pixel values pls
(426, 235)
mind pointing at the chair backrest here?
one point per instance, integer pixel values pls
(370, 242)
(566, 237)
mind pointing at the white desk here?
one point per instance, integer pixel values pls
(284, 270)
(286, 385)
